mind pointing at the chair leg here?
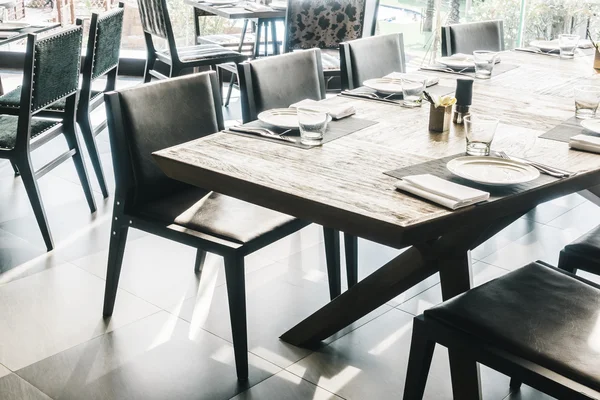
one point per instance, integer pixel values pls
(332, 256)
(229, 90)
(33, 192)
(118, 239)
(200, 258)
(15, 168)
(564, 264)
(73, 143)
(90, 142)
(351, 250)
(515, 384)
(419, 361)
(236, 293)
(466, 381)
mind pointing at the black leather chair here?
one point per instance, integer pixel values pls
(583, 253)
(466, 38)
(369, 58)
(152, 117)
(50, 77)
(537, 324)
(278, 82)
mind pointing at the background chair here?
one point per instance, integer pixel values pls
(278, 82)
(369, 58)
(583, 253)
(466, 38)
(52, 73)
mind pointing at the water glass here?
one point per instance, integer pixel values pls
(567, 45)
(484, 63)
(313, 124)
(413, 87)
(587, 99)
(480, 133)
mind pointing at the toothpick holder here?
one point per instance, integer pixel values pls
(440, 118)
(597, 60)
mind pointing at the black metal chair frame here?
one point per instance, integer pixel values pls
(429, 331)
(20, 155)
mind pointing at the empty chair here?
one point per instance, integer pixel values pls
(278, 82)
(583, 253)
(369, 58)
(51, 72)
(466, 38)
(538, 325)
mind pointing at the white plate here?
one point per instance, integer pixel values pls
(221, 2)
(384, 85)
(591, 125)
(13, 26)
(545, 45)
(282, 117)
(278, 5)
(457, 62)
(492, 171)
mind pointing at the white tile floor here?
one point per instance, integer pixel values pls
(170, 336)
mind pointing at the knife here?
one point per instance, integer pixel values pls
(368, 97)
(263, 133)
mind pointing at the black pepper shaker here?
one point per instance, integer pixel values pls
(464, 98)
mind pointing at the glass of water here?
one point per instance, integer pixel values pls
(587, 99)
(484, 63)
(480, 132)
(567, 45)
(313, 124)
(413, 87)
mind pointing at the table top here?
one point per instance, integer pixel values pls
(342, 184)
(22, 34)
(236, 12)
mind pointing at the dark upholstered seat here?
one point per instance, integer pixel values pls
(466, 38)
(13, 98)
(583, 253)
(8, 129)
(198, 52)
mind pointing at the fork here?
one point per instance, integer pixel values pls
(555, 172)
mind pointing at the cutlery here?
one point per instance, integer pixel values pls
(446, 70)
(555, 172)
(536, 51)
(368, 96)
(264, 133)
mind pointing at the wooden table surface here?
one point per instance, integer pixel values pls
(236, 11)
(37, 28)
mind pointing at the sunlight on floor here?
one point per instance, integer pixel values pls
(336, 382)
(390, 340)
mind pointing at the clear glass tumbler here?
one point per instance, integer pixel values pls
(484, 63)
(313, 124)
(587, 99)
(480, 133)
(567, 45)
(413, 87)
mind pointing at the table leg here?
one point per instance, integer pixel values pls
(592, 194)
(266, 23)
(274, 37)
(1, 88)
(257, 38)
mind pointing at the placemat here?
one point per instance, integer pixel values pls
(499, 69)
(436, 89)
(335, 130)
(578, 53)
(438, 168)
(566, 130)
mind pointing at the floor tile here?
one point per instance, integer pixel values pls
(546, 212)
(528, 393)
(50, 311)
(3, 371)
(159, 357)
(370, 363)
(14, 388)
(583, 218)
(514, 231)
(285, 386)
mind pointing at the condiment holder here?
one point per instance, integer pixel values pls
(440, 112)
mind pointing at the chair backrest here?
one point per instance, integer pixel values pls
(151, 117)
(280, 81)
(104, 43)
(372, 57)
(324, 24)
(155, 17)
(466, 38)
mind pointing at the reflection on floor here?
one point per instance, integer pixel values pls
(170, 336)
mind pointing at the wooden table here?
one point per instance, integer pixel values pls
(342, 185)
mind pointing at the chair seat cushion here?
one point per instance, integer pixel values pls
(587, 246)
(227, 40)
(216, 214)
(202, 51)
(12, 99)
(538, 313)
(330, 59)
(8, 129)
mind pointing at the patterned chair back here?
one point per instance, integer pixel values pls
(108, 27)
(155, 17)
(323, 24)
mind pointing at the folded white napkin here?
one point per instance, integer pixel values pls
(337, 111)
(440, 191)
(585, 143)
(585, 44)
(433, 80)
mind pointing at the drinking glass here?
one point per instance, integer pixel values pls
(313, 124)
(586, 101)
(413, 87)
(480, 133)
(567, 45)
(484, 63)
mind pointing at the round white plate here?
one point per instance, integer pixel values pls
(457, 62)
(384, 85)
(545, 45)
(591, 125)
(492, 171)
(13, 26)
(278, 5)
(221, 2)
(282, 117)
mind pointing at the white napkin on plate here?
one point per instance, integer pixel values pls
(337, 111)
(585, 143)
(433, 80)
(440, 191)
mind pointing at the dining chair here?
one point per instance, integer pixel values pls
(159, 115)
(278, 82)
(324, 24)
(156, 23)
(51, 75)
(371, 57)
(101, 60)
(466, 38)
(583, 253)
(537, 324)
